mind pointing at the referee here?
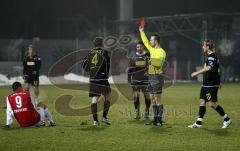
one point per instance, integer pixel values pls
(155, 70)
(211, 84)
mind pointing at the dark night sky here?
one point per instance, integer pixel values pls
(28, 18)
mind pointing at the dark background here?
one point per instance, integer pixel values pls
(30, 18)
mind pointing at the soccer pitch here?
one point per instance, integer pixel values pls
(125, 133)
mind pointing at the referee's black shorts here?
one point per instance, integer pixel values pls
(99, 87)
(155, 84)
(209, 94)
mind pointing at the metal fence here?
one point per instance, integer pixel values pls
(181, 37)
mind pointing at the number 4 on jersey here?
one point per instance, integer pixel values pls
(95, 59)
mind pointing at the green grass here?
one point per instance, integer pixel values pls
(181, 109)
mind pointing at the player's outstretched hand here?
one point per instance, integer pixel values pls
(194, 74)
(141, 29)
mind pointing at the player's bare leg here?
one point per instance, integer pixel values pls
(226, 120)
(27, 87)
(36, 91)
(106, 108)
(201, 113)
(136, 95)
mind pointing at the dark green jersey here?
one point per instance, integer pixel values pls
(212, 77)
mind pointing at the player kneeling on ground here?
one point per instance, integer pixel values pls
(211, 83)
(21, 106)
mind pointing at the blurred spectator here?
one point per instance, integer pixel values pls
(236, 63)
(225, 60)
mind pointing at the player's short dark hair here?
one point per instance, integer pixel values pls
(16, 85)
(31, 46)
(156, 37)
(210, 44)
(98, 42)
(140, 43)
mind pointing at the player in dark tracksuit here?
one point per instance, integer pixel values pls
(211, 84)
(97, 64)
(31, 66)
(138, 67)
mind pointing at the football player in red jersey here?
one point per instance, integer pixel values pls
(21, 105)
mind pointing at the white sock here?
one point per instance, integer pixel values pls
(199, 119)
(48, 115)
(42, 113)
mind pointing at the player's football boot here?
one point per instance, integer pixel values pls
(194, 126)
(227, 123)
(147, 115)
(106, 121)
(96, 123)
(52, 124)
(42, 124)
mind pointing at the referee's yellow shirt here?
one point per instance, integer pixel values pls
(158, 56)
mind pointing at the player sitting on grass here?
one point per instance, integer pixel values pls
(139, 81)
(21, 106)
(211, 83)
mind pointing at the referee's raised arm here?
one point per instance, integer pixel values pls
(145, 39)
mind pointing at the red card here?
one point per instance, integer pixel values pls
(142, 23)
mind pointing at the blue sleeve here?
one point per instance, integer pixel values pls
(210, 63)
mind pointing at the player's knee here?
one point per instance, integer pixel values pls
(94, 100)
(41, 104)
(108, 97)
(202, 102)
(212, 105)
(136, 94)
(146, 95)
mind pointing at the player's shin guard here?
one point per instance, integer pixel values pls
(221, 112)
(48, 115)
(201, 113)
(94, 111)
(154, 106)
(136, 103)
(106, 108)
(148, 103)
(137, 107)
(159, 113)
